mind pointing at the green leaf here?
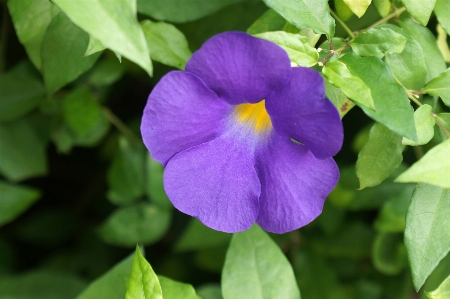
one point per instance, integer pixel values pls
(359, 7)
(255, 267)
(444, 120)
(15, 200)
(172, 289)
(409, 66)
(378, 42)
(304, 14)
(112, 284)
(391, 103)
(63, 50)
(19, 93)
(427, 236)
(381, 155)
(296, 46)
(143, 283)
(433, 168)
(343, 11)
(179, 11)
(141, 223)
(269, 21)
(443, 292)
(440, 86)
(389, 254)
(424, 126)
(438, 275)
(433, 58)
(94, 46)
(383, 7)
(41, 284)
(31, 19)
(106, 72)
(392, 217)
(198, 236)
(114, 24)
(338, 98)
(126, 174)
(22, 150)
(167, 44)
(441, 10)
(155, 185)
(420, 9)
(210, 291)
(340, 76)
(442, 43)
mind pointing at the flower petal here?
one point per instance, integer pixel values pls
(215, 182)
(301, 111)
(294, 184)
(181, 112)
(240, 68)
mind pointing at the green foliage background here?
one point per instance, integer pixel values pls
(79, 191)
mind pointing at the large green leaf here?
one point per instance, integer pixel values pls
(378, 42)
(420, 9)
(31, 19)
(442, 292)
(391, 103)
(302, 14)
(114, 24)
(269, 21)
(19, 92)
(296, 46)
(427, 236)
(167, 44)
(138, 224)
(172, 289)
(433, 57)
(441, 10)
(143, 283)
(63, 50)
(440, 86)
(112, 284)
(409, 66)
(340, 76)
(15, 200)
(381, 155)
(22, 150)
(359, 7)
(256, 268)
(424, 126)
(180, 10)
(433, 168)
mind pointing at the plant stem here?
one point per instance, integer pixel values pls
(409, 93)
(441, 126)
(123, 128)
(350, 33)
(396, 13)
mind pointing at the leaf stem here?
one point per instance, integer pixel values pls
(394, 14)
(123, 128)
(342, 23)
(441, 126)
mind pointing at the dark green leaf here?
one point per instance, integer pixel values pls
(106, 72)
(424, 126)
(296, 46)
(383, 7)
(255, 267)
(440, 86)
(31, 19)
(389, 253)
(172, 289)
(166, 43)
(138, 224)
(391, 103)
(343, 11)
(112, 284)
(441, 10)
(143, 283)
(427, 236)
(114, 24)
(381, 155)
(269, 21)
(155, 185)
(359, 7)
(443, 292)
(433, 168)
(22, 150)
(420, 9)
(63, 50)
(409, 67)
(179, 10)
(340, 76)
(304, 14)
(338, 98)
(378, 42)
(210, 291)
(15, 200)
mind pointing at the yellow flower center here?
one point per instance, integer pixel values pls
(254, 115)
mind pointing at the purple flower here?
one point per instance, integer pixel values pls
(224, 130)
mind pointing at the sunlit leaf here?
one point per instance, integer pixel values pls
(378, 42)
(420, 9)
(424, 126)
(441, 10)
(443, 292)
(172, 289)
(440, 86)
(359, 7)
